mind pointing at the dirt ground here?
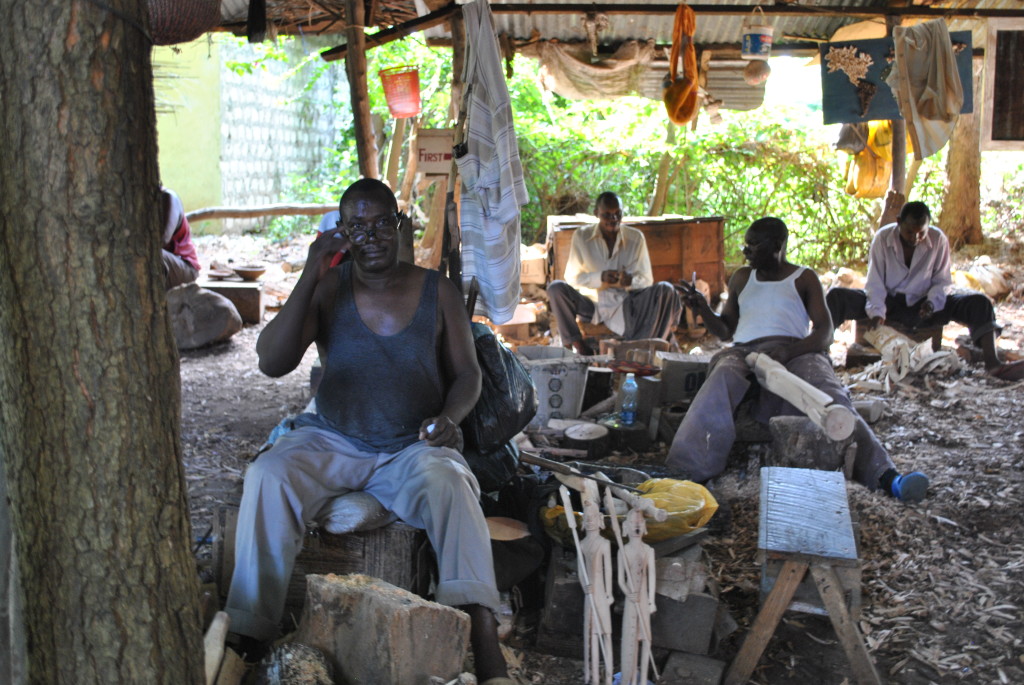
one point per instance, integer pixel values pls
(943, 581)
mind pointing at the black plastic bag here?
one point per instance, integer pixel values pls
(507, 401)
(493, 470)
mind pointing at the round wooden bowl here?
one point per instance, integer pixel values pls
(250, 272)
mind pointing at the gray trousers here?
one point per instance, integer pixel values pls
(701, 445)
(177, 270)
(652, 312)
(427, 487)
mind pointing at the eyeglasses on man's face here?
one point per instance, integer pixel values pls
(383, 228)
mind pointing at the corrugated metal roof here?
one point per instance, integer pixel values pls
(711, 29)
(327, 16)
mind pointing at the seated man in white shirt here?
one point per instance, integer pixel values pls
(608, 280)
(908, 282)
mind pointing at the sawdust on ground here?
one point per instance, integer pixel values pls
(943, 581)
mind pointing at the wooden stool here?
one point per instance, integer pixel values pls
(933, 333)
(805, 524)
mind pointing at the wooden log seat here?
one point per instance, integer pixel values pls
(396, 553)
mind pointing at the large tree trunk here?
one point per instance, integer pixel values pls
(960, 218)
(89, 384)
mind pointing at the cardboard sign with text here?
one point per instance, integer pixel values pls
(434, 151)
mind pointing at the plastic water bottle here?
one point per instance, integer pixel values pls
(628, 413)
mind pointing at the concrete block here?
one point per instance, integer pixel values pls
(681, 374)
(692, 669)
(679, 578)
(377, 634)
(561, 626)
(684, 626)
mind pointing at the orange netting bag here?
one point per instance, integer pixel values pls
(680, 94)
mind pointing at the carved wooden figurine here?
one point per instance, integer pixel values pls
(636, 568)
(597, 612)
(591, 610)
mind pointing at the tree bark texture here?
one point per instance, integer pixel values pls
(89, 383)
(960, 217)
(12, 633)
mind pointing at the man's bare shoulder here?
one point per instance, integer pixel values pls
(739, 278)
(807, 277)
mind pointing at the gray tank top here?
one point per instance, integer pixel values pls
(377, 389)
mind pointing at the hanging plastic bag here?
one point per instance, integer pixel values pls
(507, 401)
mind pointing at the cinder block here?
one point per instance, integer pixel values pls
(377, 634)
(681, 374)
(692, 669)
(561, 627)
(684, 626)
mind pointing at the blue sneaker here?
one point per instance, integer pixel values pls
(910, 487)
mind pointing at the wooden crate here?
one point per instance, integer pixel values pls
(396, 553)
(678, 246)
(247, 296)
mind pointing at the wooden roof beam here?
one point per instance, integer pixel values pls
(744, 10)
(395, 32)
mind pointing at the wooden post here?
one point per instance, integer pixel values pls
(896, 197)
(662, 182)
(457, 25)
(451, 252)
(397, 137)
(355, 68)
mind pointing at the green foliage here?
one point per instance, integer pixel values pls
(776, 160)
(1002, 205)
(755, 164)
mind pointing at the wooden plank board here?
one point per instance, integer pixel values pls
(805, 512)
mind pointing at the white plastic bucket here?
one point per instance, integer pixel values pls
(757, 36)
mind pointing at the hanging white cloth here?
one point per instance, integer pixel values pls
(492, 175)
(926, 84)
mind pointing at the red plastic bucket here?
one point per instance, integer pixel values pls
(401, 90)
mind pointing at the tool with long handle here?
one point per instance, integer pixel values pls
(564, 469)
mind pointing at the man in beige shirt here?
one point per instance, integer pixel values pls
(608, 280)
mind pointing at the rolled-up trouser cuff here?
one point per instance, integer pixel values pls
(245, 623)
(457, 593)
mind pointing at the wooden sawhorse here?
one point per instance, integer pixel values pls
(805, 524)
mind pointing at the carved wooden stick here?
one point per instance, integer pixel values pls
(213, 645)
(836, 420)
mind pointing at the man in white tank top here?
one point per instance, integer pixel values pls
(776, 308)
